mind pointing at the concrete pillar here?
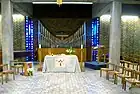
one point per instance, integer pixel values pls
(115, 33)
(7, 31)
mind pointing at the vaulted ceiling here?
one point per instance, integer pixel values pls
(65, 19)
(62, 26)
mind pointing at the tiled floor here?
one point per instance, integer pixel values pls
(87, 82)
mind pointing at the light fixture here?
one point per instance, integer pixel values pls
(62, 35)
(105, 17)
(129, 18)
(63, 3)
(124, 18)
(59, 2)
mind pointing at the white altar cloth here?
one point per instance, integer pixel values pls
(61, 63)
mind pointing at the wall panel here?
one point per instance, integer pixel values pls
(130, 36)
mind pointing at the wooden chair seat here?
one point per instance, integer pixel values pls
(106, 69)
(133, 81)
(123, 76)
(1, 74)
(18, 66)
(8, 71)
(113, 72)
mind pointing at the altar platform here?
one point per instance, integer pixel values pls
(95, 65)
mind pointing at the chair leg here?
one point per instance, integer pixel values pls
(22, 69)
(17, 70)
(13, 76)
(115, 79)
(124, 85)
(113, 76)
(123, 82)
(100, 73)
(2, 79)
(6, 77)
(107, 75)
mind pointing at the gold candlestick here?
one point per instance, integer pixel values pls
(82, 63)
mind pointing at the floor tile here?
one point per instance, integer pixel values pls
(87, 82)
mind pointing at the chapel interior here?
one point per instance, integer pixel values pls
(69, 47)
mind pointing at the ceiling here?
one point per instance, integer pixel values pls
(63, 26)
(65, 19)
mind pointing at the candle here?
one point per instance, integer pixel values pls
(81, 46)
(39, 45)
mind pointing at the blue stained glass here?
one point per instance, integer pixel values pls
(95, 35)
(29, 36)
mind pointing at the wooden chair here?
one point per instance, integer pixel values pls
(6, 72)
(107, 69)
(16, 65)
(128, 73)
(1, 74)
(117, 71)
(134, 81)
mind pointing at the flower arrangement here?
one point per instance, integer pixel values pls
(30, 71)
(70, 50)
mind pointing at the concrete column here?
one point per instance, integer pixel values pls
(115, 33)
(7, 30)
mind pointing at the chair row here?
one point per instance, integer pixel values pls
(127, 71)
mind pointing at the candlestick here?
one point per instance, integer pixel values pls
(81, 46)
(39, 45)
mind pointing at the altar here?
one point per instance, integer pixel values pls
(61, 63)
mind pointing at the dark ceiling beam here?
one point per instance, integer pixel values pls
(94, 1)
(65, 11)
(24, 9)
